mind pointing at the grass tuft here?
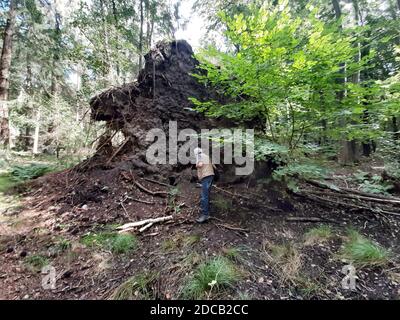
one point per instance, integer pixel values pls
(123, 243)
(363, 252)
(36, 262)
(234, 253)
(117, 243)
(286, 259)
(137, 287)
(211, 277)
(319, 234)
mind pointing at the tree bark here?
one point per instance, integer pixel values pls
(141, 35)
(5, 64)
(348, 149)
(37, 132)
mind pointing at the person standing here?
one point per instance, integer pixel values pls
(205, 173)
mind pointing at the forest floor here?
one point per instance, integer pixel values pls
(272, 244)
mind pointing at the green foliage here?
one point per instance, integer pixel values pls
(363, 252)
(299, 171)
(211, 276)
(123, 243)
(284, 77)
(172, 200)
(265, 149)
(63, 245)
(373, 184)
(36, 262)
(6, 183)
(138, 287)
(21, 173)
(116, 243)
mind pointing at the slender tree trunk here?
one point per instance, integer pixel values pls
(116, 22)
(396, 129)
(5, 64)
(37, 132)
(29, 91)
(141, 35)
(348, 150)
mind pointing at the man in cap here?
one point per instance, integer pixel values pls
(205, 173)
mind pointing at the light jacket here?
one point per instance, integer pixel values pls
(207, 169)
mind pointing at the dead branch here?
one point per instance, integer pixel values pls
(352, 191)
(141, 187)
(140, 200)
(132, 225)
(231, 194)
(147, 226)
(308, 219)
(359, 197)
(158, 182)
(229, 227)
(328, 202)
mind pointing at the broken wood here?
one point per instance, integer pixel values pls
(147, 226)
(133, 225)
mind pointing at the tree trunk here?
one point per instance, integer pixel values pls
(348, 150)
(141, 35)
(396, 129)
(37, 132)
(5, 64)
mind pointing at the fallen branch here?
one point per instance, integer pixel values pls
(352, 191)
(158, 182)
(141, 201)
(153, 193)
(329, 203)
(308, 219)
(226, 226)
(360, 197)
(147, 226)
(231, 194)
(132, 225)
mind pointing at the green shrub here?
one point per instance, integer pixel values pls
(27, 172)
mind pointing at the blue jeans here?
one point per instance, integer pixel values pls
(206, 184)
